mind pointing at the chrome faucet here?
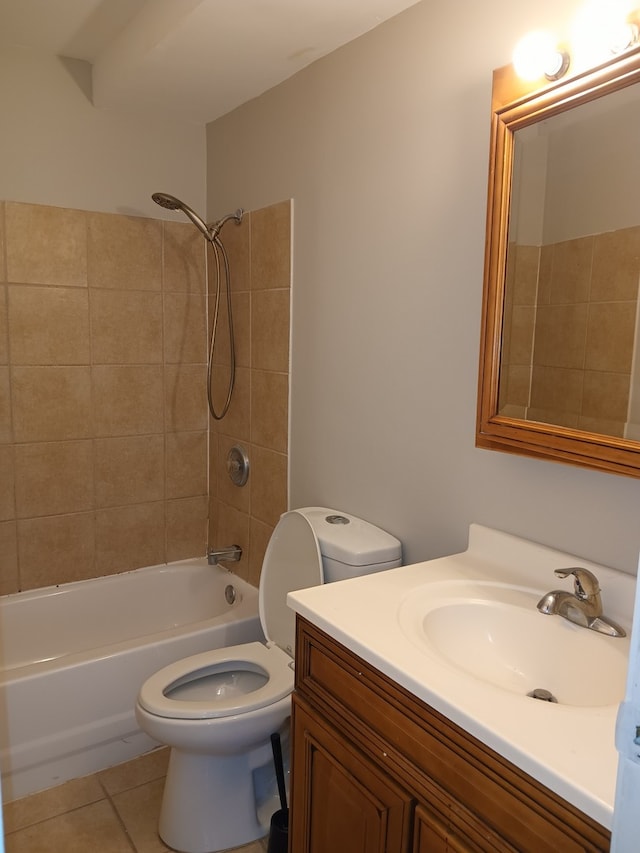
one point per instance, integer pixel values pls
(230, 554)
(582, 607)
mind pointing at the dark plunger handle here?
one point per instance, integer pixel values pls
(277, 760)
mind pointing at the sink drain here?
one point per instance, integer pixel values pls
(542, 694)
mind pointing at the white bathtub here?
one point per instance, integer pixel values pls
(72, 659)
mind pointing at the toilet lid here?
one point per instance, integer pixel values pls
(292, 561)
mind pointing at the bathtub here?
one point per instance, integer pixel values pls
(72, 658)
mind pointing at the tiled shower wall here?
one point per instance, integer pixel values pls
(570, 340)
(260, 259)
(103, 420)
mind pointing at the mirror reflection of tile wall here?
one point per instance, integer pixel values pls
(103, 419)
(570, 326)
(259, 252)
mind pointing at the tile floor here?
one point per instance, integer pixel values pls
(114, 811)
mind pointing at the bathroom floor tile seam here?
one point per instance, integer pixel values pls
(114, 811)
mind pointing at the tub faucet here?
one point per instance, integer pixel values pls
(583, 606)
(230, 554)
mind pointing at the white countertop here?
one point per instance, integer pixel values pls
(569, 749)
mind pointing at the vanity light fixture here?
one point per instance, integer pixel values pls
(602, 28)
(623, 37)
(537, 55)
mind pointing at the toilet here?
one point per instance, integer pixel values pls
(218, 709)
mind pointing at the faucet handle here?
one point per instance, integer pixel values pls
(585, 583)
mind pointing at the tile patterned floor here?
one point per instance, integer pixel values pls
(114, 811)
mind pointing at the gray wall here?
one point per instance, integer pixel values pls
(383, 146)
(57, 149)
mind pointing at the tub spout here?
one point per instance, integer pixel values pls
(230, 554)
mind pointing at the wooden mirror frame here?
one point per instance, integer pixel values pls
(516, 104)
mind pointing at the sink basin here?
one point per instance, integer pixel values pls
(494, 633)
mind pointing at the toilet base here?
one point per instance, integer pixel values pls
(209, 803)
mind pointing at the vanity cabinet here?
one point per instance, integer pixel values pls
(376, 769)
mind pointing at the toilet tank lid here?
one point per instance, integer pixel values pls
(349, 539)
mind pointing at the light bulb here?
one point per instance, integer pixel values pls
(600, 29)
(537, 55)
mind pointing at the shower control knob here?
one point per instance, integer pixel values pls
(238, 465)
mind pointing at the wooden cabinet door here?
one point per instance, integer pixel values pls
(447, 827)
(340, 801)
(432, 836)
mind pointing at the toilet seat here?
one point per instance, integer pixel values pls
(274, 665)
(292, 561)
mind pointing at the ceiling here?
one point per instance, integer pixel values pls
(195, 59)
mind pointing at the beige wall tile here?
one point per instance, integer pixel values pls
(525, 281)
(236, 241)
(7, 484)
(185, 397)
(557, 389)
(616, 265)
(8, 557)
(517, 386)
(64, 385)
(130, 537)
(126, 327)
(238, 497)
(232, 528)
(571, 273)
(6, 430)
(241, 308)
(185, 328)
(48, 325)
(561, 332)
(186, 464)
(610, 336)
(68, 541)
(127, 400)
(259, 535)
(513, 410)
(603, 427)
(258, 413)
(129, 470)
(3, 267)
(269, 484)
(553, 416)
(237, 421)
(53, 478)
(271, 246)
(124, 252)
(51, 403)
(605, 396)
(270, 410)
(183, 258)
(521, 331)
(545, 275)
(213, 460)
(4, 329)
(186, 527)
(270, 330)
(58, 256)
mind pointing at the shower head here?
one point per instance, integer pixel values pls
(170, 202)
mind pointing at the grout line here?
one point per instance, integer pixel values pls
(123, 827)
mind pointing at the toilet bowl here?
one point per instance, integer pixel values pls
(217, 710)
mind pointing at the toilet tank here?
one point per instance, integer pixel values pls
(351, 547)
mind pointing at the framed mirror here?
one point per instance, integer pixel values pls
(560, 347)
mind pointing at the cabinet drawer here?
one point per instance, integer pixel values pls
(419, 746)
